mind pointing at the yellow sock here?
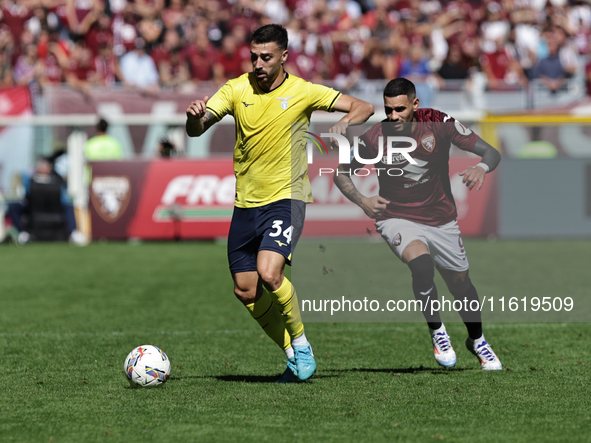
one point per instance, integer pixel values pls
(267, 315)
(286, 300)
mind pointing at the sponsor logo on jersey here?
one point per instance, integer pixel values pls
(110, 196)
(280, 244)
(246, 105)
(428, 142)
(397, 240)
(284, 104)
(418, 182)
(395, 159)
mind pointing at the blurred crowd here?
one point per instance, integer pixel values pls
(151, 45)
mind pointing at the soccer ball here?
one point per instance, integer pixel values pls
(146, 366)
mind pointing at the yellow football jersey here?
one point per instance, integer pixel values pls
(266, 167)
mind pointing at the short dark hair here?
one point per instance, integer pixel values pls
(102, 125)
(400, 86)
(271, 33)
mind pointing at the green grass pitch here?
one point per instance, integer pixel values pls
(69, 316)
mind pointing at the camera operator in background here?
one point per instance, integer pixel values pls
(166, 147)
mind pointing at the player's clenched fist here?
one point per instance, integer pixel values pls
(374, 206)
(197, 109)
(339, 129)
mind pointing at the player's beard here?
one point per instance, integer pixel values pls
(268, 77)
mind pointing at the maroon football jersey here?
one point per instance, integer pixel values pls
(421, 192)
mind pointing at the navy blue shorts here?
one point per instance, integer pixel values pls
(273, 227)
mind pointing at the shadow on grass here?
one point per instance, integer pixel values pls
(411, 370)
(326, 373)
(246, 378)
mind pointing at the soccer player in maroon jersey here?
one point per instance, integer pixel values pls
(415, 210)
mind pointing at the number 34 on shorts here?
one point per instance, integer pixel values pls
(281, 236)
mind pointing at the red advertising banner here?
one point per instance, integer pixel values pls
(193, 199)
(15, 101)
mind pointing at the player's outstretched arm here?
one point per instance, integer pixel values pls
(199, 119)
(357, 111)
(490, 160)
(372, 206)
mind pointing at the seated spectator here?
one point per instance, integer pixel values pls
(502, 70)
(6, 76)
(375, 65)
(7, 44)
(549, 70)
(150, 29)
(228, 64)
(567, 51)
(54, 53)
(28, 69)
(309, 67)
(170, 41)
(50, 41)
(495, 25)
(14, 14)
(453, 67)
(125, 32)
(175, 73)
(344, 68)
(522, 44)
(99, 34)
(25, 39)
(80, 15)
(199, 54)
(138, 69)
(106, 66)
(81, 71)
(380, 20)
(243, 45)
(41, 20)
(147, 8)
(174, 14)
(415, 67)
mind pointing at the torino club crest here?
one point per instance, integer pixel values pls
(110, 196)
(428, 142)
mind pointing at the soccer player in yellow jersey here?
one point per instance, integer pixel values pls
(272, 185)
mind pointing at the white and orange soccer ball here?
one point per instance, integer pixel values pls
(147, 366)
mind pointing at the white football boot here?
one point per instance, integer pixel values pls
(487, 357)
(444, 352)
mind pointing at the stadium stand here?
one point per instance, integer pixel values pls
(494, 45)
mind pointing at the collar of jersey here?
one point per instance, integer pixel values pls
(272, 90)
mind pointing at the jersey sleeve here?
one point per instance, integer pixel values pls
(458, 134)
(222, 102)
(322, 98)
(461, 136)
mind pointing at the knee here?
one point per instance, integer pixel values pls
(271, 278)
(422, 268)
(245, 294)
(459, 284)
